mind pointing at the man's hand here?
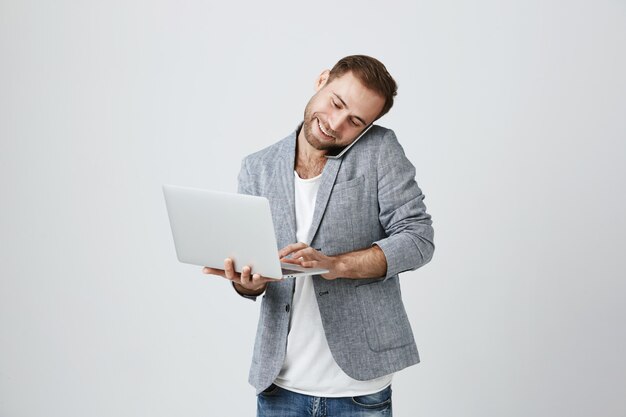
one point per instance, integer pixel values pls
(308, 257)
(245, 282)
(365, 263)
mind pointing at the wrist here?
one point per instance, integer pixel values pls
(340, 266)
(246, 291)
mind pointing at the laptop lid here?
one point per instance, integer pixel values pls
(210, 226)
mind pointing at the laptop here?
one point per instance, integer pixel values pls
(210, 226)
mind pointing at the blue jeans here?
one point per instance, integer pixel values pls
(279, 402)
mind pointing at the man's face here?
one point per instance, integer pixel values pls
(339, 112)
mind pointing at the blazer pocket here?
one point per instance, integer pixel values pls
(349, 184)
(384, 318)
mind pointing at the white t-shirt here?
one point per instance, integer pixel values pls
(309, 366)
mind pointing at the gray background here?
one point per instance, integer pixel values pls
(512, 112)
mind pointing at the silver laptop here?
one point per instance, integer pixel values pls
(210, 226)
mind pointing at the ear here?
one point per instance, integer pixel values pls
(321, 80)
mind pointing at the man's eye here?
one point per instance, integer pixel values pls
(356, 123)
(335, 104)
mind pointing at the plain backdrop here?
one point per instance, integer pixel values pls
(513, 113)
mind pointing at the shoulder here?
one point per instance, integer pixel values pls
(379, 141)
(380, 132)
(379, 136)
(269, 154)
(259, 167)
(382, 154)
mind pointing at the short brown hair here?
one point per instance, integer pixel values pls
(372, 73)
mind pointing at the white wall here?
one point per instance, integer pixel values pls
(512, 112)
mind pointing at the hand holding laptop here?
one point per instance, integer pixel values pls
(250, 284)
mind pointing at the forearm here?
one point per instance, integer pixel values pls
(365, 263)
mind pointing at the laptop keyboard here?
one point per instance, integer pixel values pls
(290, 271)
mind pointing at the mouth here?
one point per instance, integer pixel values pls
(325, 132)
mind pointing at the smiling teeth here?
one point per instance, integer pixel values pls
(323, 130)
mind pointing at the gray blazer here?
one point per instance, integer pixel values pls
(367, 197)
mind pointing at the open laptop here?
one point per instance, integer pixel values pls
(210, 226)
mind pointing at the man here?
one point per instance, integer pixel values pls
(331, 343)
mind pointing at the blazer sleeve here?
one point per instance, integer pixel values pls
(409, 243)
(244, 180)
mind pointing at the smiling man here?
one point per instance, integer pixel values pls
(347, 202)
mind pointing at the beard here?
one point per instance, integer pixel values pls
(307, 128)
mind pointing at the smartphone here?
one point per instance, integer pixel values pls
(344, 150)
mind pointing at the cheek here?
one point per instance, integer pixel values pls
(326, 109)
(317, 105)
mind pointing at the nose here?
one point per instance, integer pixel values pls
(336, 120)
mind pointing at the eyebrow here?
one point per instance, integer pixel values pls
(346, 106)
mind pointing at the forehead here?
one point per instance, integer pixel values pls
(361, 101)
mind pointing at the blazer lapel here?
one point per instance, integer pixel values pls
(284, 195)
(323, 194)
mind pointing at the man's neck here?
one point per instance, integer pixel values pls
(309, 161)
